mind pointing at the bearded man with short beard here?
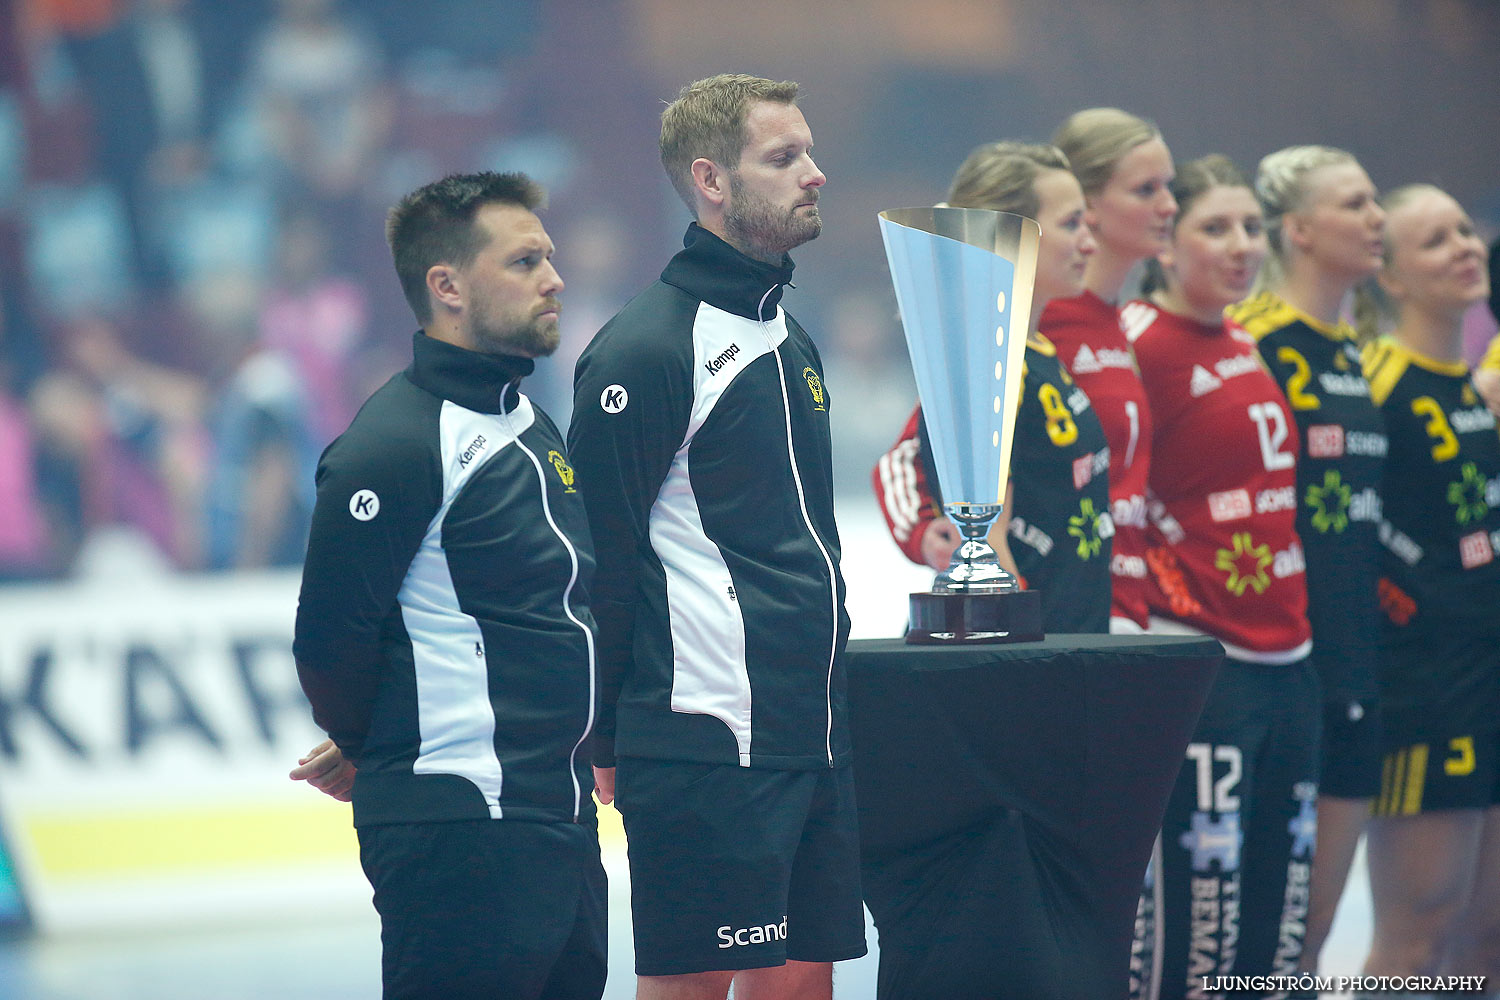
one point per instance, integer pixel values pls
(700, 429)
(443, 633)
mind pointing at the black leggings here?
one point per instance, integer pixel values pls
(1229, 894)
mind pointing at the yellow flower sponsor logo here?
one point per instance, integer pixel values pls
(1330, 503)
(1467, 496)
(1084, 526)
(1246, 564)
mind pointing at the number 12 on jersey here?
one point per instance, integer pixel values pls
(1270, 425)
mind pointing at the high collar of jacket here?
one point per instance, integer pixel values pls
(712, 270)
(473, 380)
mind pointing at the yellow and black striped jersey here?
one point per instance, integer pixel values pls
(1441, 526)
(1339, 473)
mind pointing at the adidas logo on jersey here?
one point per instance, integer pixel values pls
(1203, 382)
(1084, 362)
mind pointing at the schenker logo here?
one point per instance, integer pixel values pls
(730, 938)
(718, 363)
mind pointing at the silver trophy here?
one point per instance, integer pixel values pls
(963, 280)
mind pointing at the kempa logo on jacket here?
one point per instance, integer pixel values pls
(726, 356)
(364, 505)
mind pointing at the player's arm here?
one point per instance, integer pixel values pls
(374, 505)
(907, 502)
(630, 416)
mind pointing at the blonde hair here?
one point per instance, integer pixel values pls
(1374, 310)
(708, 120)
(1096, 139)
(1281, 186)
(1001, 176)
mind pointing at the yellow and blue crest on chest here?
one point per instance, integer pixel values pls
(815, 386)
(564, 470)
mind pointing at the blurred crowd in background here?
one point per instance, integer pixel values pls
(195, 292)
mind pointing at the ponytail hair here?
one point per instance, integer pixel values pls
(1281, 186)
(1001, 176)
(1194, 179)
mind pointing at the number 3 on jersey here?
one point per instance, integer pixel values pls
(1438, 427)
(1270, 425)
(1060, 426)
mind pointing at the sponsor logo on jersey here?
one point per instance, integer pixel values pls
(1371, 443)
(1396, 603)
(613, 399)
(1245, 564)
(716, 365)
(1366, 505)
(364, 505)
(1330, 503)
(1133, 567)
(1129, 511)
(1325, 441)
(740, 937)
(1089, 362)
(1240, 364)
(1167, 524)
(1279, 498)
(1231, 505)
(1290, 561)
(472, 452)
(1343, 384)
(1400, 544)
(1476, 550)
(814, 386)
(564, 470)
(1086, 467)
(1202, 383)
(1470, 421)
(1090, 527)
(1468, 496)
(1030, 534)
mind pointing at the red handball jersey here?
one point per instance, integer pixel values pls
(1222, 543)
(1086, 331)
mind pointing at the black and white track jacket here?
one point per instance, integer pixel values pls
(700, 431)
(443, 632)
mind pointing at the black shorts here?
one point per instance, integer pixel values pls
(1350, 754)
(740, 868)
(1439, 680)
(1457, 772)
(488, 908)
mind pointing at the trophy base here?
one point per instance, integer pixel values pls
(939, 619)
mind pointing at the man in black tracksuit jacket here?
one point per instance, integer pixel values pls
(443, 634)
(700, 431)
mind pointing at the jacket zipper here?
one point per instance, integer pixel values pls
(791, 449)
